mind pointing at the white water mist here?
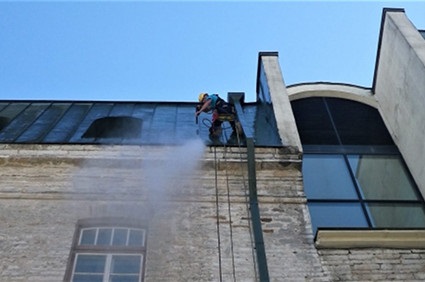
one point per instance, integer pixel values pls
(167, 174)
(135, 183)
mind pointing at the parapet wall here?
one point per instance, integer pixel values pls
(399, 88)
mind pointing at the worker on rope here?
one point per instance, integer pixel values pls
(221, 111)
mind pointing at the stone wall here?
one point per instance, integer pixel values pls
(374, 264)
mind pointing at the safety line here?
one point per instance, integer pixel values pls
(230, 213)
(217, 216)
(247, 202)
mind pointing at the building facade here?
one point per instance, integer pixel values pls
(326, 182)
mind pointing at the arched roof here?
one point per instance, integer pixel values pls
(334, 90)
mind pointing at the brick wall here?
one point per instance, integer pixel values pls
(199, 226)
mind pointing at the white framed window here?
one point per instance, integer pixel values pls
(107, 267)
(112, 236)
(112, 252)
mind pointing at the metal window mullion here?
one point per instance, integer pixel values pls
(332, 120)
(96, 236)
(80, 237)
(332, 200)
(107, 270)
(358, 191)
(128, 236)
(111, 242)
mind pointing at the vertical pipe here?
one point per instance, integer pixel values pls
(252, 184)
(255, 213)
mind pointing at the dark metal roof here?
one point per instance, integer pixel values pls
(66, 122)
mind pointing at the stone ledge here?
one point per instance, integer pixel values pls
(397, 239)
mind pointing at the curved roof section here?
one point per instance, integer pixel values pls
(334, 90)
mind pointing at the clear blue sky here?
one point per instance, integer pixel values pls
(171, 51)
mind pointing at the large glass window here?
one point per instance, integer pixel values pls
(107, 253)
(354, 176)
(369, 191)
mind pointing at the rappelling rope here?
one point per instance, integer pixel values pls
(229, 212)
(217, 208)
(246, 191)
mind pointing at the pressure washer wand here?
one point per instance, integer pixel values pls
(197, 108)
(196, 119)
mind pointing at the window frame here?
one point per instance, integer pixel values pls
(316, 138)
(108, 251)
(345, 152)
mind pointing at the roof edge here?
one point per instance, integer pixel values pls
(332, 90)
(328, 83)
(381, 32)
(263, 54)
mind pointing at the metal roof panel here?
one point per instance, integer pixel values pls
(65, 122)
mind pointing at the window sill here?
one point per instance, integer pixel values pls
(400, 239)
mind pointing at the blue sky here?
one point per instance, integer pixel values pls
(171, 51)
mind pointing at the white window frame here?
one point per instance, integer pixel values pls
(108, 264)
(109, 251)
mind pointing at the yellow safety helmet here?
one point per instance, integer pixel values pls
(201, 96)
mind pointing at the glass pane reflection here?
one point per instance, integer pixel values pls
(120, 237)
(125, 264)
(87, 278)
(398, 215)
(327, 177)
(90, 263)
(88, 236)
(104, 236)
(382, 177)
(336, 215)
(136, 238)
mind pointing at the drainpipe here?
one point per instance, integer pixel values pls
(236, 98)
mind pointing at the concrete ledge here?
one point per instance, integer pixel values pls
(397, 239)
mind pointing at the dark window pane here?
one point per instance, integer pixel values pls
(122, 278)
(136, 238)
(87, 278)
(88, 236)
(125, 264)
(313, 122)
(382, 177)
(104, 236)
(327, 177)
(328, 215)
(90, 263)
(120, 237)
(357, 123)
(397, 215)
